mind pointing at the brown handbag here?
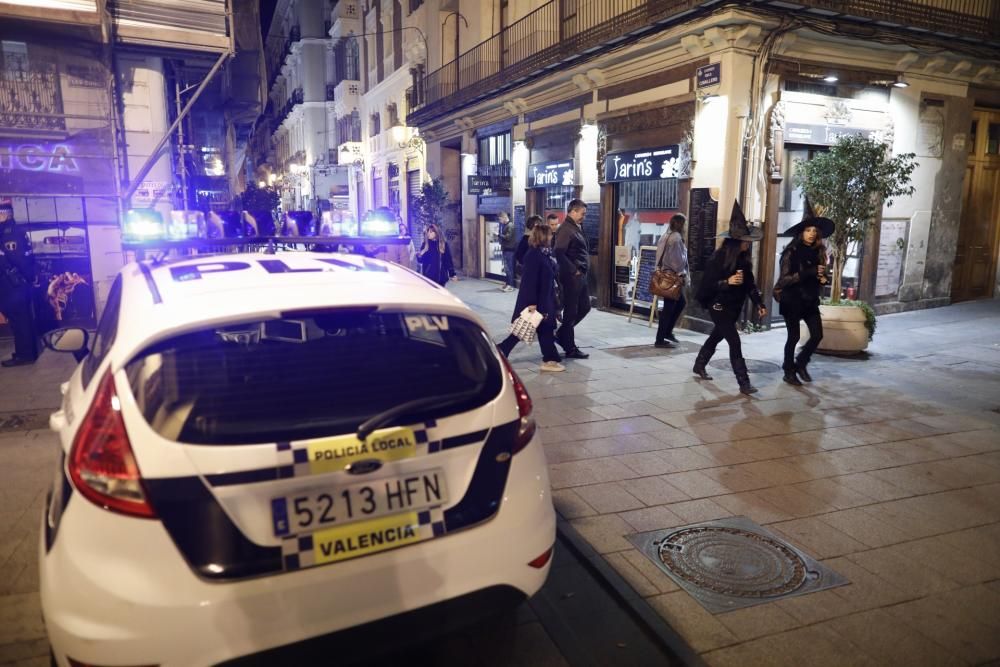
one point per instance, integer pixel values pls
(667, 284)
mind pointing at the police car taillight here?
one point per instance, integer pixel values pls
(101, 463)
(526, 428)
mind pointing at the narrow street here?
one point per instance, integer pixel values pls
(886, 470)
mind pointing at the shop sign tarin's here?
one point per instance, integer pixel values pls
(643, 165)
(709, 75)
(479, 184)
(824, 135)
(547, 174)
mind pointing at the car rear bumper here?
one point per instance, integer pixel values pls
(116, 590)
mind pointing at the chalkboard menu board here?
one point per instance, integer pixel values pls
(647, 264)
(592, 226)
(519, 218)
(703, 218)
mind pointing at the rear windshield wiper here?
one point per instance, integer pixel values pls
(386, 416)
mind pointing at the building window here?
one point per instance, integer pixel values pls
(375, 126)
(393, 114)
(494, 159)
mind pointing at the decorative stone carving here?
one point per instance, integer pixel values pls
(838, 113)
(676, 114)
(776, 140)
(602, 148)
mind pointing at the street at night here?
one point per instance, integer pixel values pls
(564, 333)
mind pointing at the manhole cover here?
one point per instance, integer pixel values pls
(643, 351)
(753, 365)
(734, 563)
(29, 420)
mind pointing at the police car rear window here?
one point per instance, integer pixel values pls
(310, 375)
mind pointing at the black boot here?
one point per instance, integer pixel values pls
(800, 368)
(743, 377)
(791, 378)
(699, 364)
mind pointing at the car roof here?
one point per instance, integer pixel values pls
(161, 299)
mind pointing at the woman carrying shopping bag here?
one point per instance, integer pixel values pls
(537, 294)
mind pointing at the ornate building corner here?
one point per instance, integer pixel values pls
(776, 141)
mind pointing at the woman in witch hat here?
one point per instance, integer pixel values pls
(803, 274)
(727, 282)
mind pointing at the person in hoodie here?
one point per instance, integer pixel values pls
(727, 282)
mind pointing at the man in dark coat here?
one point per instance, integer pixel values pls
(17, 275)
(573, 255)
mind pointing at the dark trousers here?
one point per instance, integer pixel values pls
(576, 305)
(508, 267)
(16, 307)
(815, 324)
(546, 340)
(668, 317)
(725, 327)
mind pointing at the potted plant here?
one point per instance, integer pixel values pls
(849, 184)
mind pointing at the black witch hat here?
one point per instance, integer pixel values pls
(739, 228)
(810, 219)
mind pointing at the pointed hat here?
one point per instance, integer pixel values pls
(739, 228)
(810, 219)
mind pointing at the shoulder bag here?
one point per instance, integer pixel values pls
(667, 284)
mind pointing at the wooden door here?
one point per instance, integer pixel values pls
(976, 257)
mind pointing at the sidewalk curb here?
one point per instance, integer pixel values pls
(637, 607)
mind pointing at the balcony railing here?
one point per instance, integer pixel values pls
(30, 98)
(298, 97)
(564, 31)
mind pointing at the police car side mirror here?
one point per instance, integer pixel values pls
(68, 340)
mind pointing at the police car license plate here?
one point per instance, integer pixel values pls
(320, 509)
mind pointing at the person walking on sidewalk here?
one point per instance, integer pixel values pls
(399, 253)
(435, 257)
(17, 275)
(538, 294)
(573, 255)
(801, 279)
(727, 282)
(508, 246)
(671, 254)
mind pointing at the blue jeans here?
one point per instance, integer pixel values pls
(508, 266)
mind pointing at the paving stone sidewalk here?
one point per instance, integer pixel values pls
(887, 470)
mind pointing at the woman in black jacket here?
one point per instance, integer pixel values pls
(727, 282)
(538, 293)
(435, 257)
(803, 274)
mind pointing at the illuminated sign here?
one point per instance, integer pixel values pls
(52, 158)
(645, 165)
(545, 174)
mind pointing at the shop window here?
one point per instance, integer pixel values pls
(648, 195)
(557, 197)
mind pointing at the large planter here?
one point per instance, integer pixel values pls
(844, 330)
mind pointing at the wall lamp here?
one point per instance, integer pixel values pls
(900, 82)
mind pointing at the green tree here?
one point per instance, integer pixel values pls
(849, 184)
(430, 204)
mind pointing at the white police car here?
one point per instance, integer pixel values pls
(262, 449)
